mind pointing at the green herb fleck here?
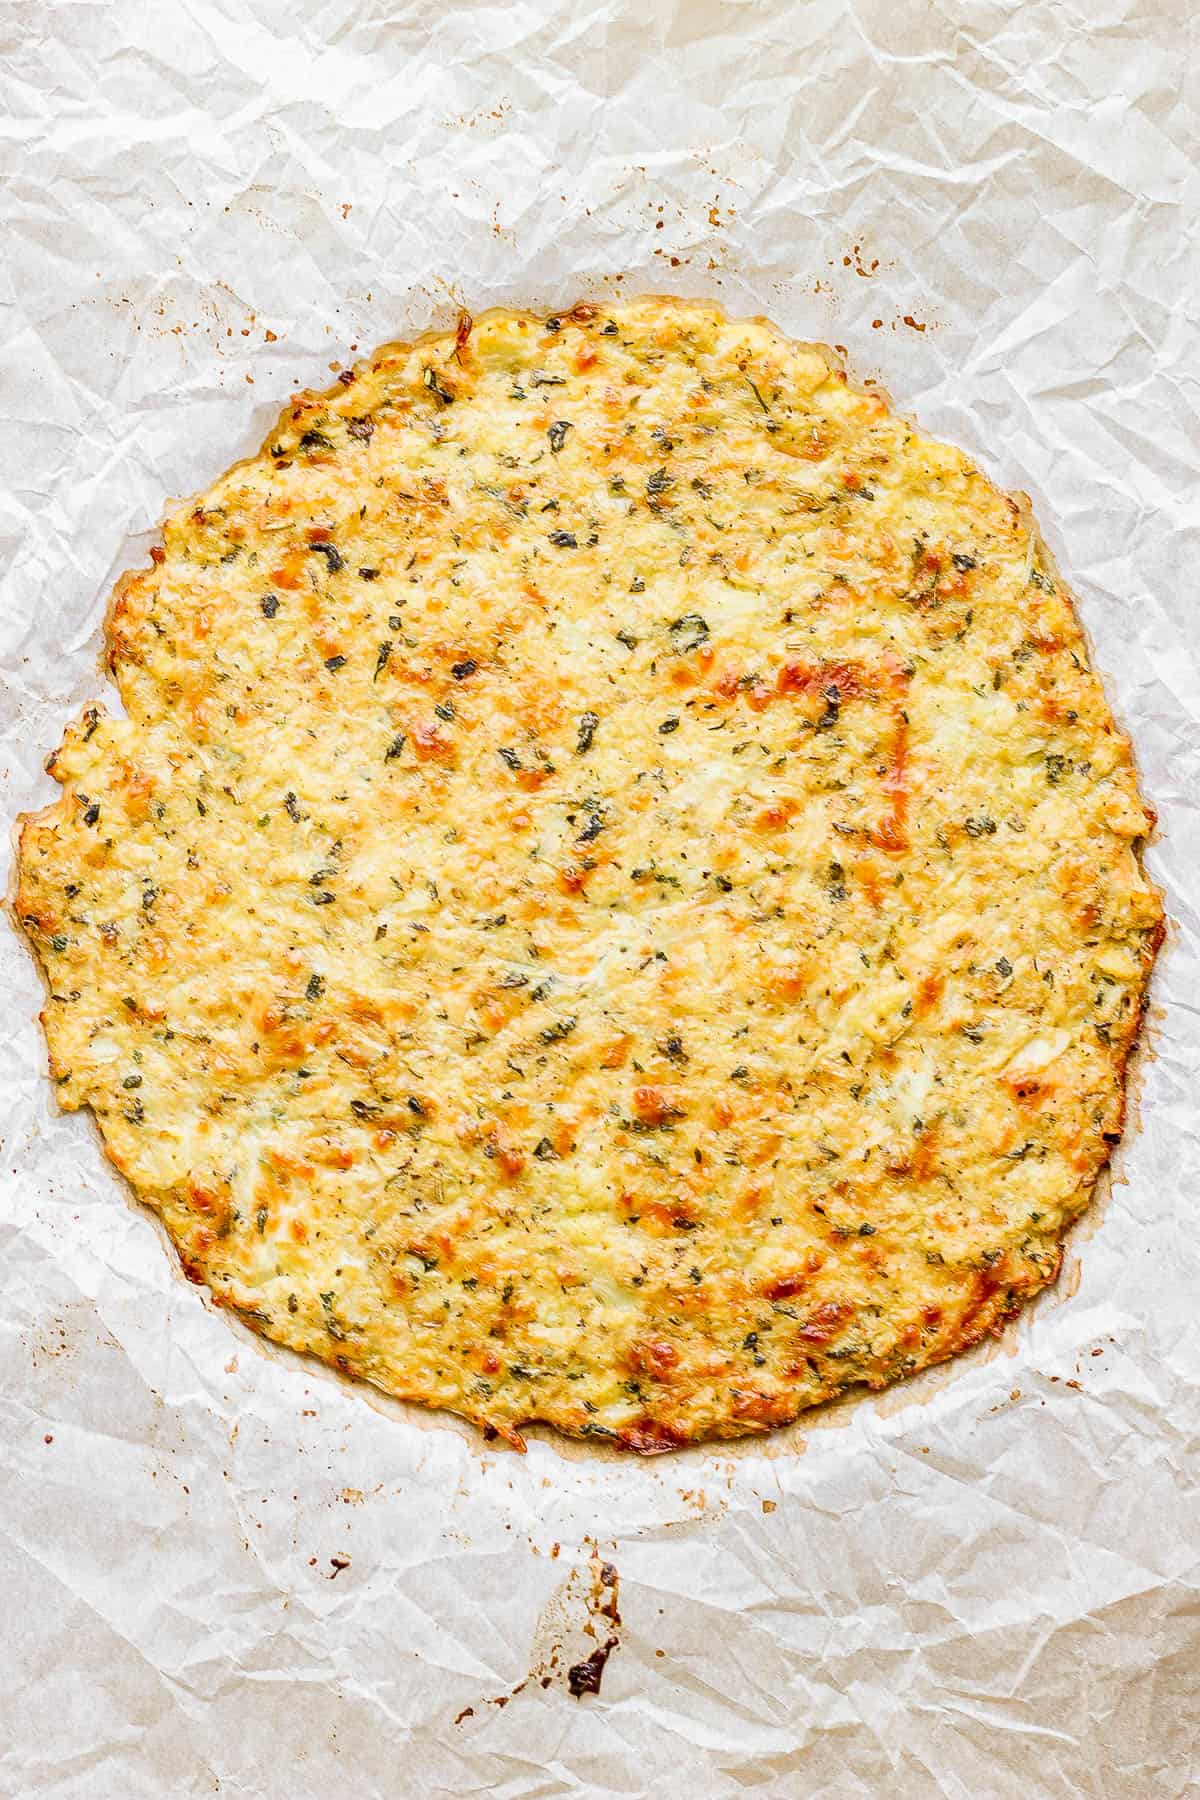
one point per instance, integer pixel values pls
(688, 633)
(441, 393)
(554, 1034)
(588, 722)
(754, 390)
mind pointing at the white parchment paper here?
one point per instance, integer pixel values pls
(226, 1573)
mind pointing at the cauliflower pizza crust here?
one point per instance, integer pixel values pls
(616, 897)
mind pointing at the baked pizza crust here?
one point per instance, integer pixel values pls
(616, 898)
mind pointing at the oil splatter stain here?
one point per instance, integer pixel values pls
(585, 1677)
(571, 1651)
(855, 261)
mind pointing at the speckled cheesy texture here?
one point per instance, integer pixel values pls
(615, 900)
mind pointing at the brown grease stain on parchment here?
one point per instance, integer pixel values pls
(577, 1630)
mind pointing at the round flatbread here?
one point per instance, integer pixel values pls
(615, 901)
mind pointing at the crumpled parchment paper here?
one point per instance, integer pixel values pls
(227, 1573)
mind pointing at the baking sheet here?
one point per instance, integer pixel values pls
(225, 1572)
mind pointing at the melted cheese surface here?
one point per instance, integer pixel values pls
(615, 901)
